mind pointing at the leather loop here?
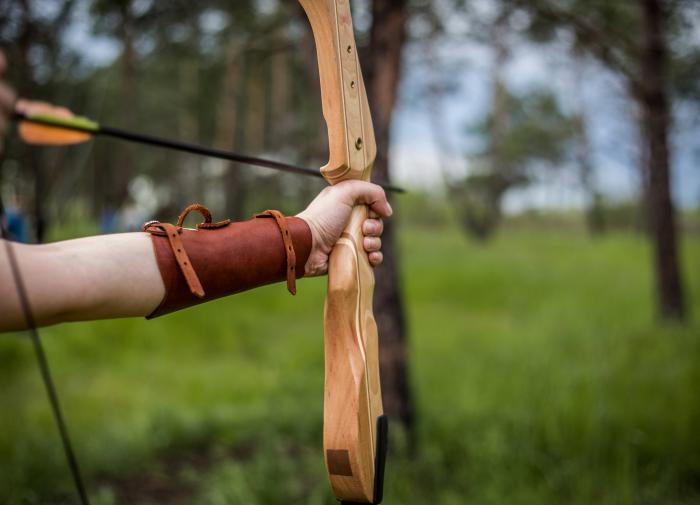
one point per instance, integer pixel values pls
(206, 224)
(288, 247)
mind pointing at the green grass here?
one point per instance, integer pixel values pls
(539, 371)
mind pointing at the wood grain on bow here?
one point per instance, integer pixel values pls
(354, 427)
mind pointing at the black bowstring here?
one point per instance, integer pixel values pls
(43, 362)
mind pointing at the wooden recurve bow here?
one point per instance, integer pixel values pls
(354, 425)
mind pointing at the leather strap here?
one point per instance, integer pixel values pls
(173, 233)
(183, 261)
(288, 247)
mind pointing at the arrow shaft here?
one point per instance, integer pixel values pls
(141, 138)
(204, 151)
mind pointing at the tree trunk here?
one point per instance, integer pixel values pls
(655, 110)
(227, 133)
(595, 217)
(387, 39)
(499, 126)
(489, 215)
(129, 97)
(33, 155)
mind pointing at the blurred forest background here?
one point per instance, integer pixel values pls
(538, 307)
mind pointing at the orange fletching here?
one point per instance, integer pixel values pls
(33, 133)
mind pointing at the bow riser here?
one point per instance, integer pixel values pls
(352, 400)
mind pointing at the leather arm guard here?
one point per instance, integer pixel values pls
(222, 258)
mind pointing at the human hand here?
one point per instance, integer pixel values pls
(328, 215)
(7, 99)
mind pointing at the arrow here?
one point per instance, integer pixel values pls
(46, 128)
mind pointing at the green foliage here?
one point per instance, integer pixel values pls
(536, 132)
(478, 201)
(423, 210)
(540, 376)
(609, 32)
(530, 133)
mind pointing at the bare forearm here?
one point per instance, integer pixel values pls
(111, 276)
(89, 278)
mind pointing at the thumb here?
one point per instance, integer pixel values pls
(366, 193)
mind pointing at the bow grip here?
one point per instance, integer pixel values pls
(354, 446)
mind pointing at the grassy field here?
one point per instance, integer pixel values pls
(539, 373)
